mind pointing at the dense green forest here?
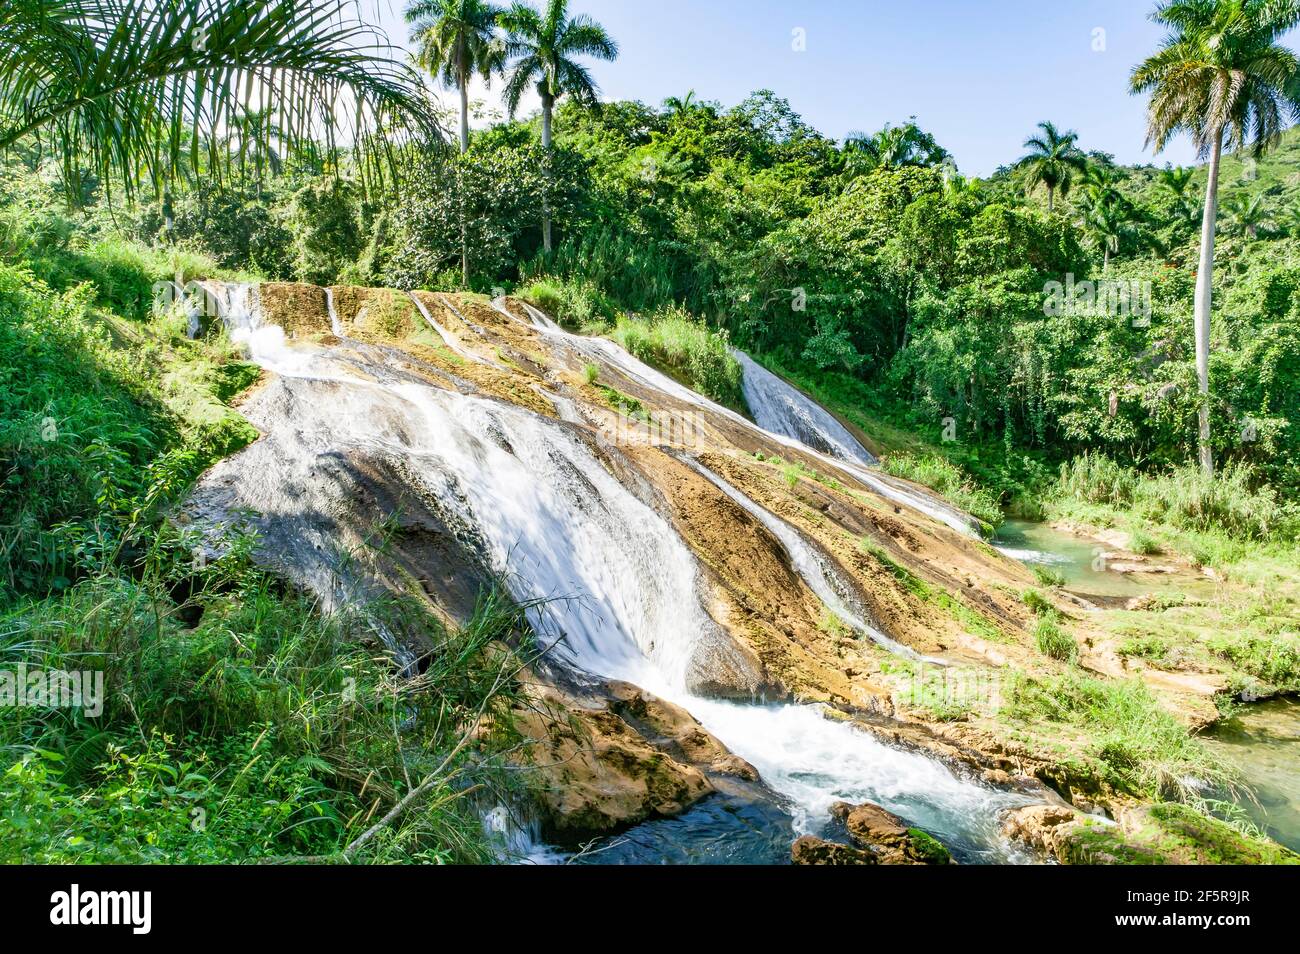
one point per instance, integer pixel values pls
(1023, 343)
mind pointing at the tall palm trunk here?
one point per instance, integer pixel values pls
(548, 101)
(463, 82)
(1204, 283)
(464, 114)
(1051, 198)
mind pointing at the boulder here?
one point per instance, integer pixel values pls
(888, 837)
(810, 850)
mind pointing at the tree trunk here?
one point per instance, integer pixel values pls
(1204, 283)
(1051, 199)
(547, 102)
(464, 114)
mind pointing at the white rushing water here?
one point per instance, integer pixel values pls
(814, 569)
(782, 408)
(622, 588)
(602, 349)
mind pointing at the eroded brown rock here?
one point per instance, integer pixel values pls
(810, 850)
(605, 759)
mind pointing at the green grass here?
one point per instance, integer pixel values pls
(1132, 742)
(1038, 604)
(576, 304)
(1046, 576)
(263, 729)
(686, 348)
(1054, 642)
(1232, 501)
(943, 476)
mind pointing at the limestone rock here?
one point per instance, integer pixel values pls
(810, 850)
(888, 837)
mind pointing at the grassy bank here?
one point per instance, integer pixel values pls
(236, 721)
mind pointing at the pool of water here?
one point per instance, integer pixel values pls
(1263, 743)
(1077, 559)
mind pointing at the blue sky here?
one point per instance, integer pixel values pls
(978, 74)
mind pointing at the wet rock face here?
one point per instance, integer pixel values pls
(810, 850)
(879, 838)
(607, 758)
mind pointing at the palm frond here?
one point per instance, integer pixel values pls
(132, 89)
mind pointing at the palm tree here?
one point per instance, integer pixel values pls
(1175, 181)
(1245, 214)
(126, 88)
(456, 39)
(1220, 74)
(544, 46)
(1106, 225)
(1053, 160)
(893, 147)
(680, 106)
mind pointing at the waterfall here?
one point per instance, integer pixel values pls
(601, 571)
(450, 340)
(781, 408)
(602, 349)
(815, 570)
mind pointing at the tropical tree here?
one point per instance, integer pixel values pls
(1053, 160)
(1175, 182)
(134, 89)
(1222, 78)
(544, 46)
(893, 147)
(681, 105)
(1106, 225)
(1244, 214)
(455, 40)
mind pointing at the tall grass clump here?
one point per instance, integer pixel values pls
(1054, 642)
(688, 349)
(576, 304)
(942, 475)
(1232, 500)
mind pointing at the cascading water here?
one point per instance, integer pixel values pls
(601, 349)
(814, 570)
(450, 340)
(622, 588)
(780, 408)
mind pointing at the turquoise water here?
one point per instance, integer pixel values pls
(1078, 560)
(1263, 743)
